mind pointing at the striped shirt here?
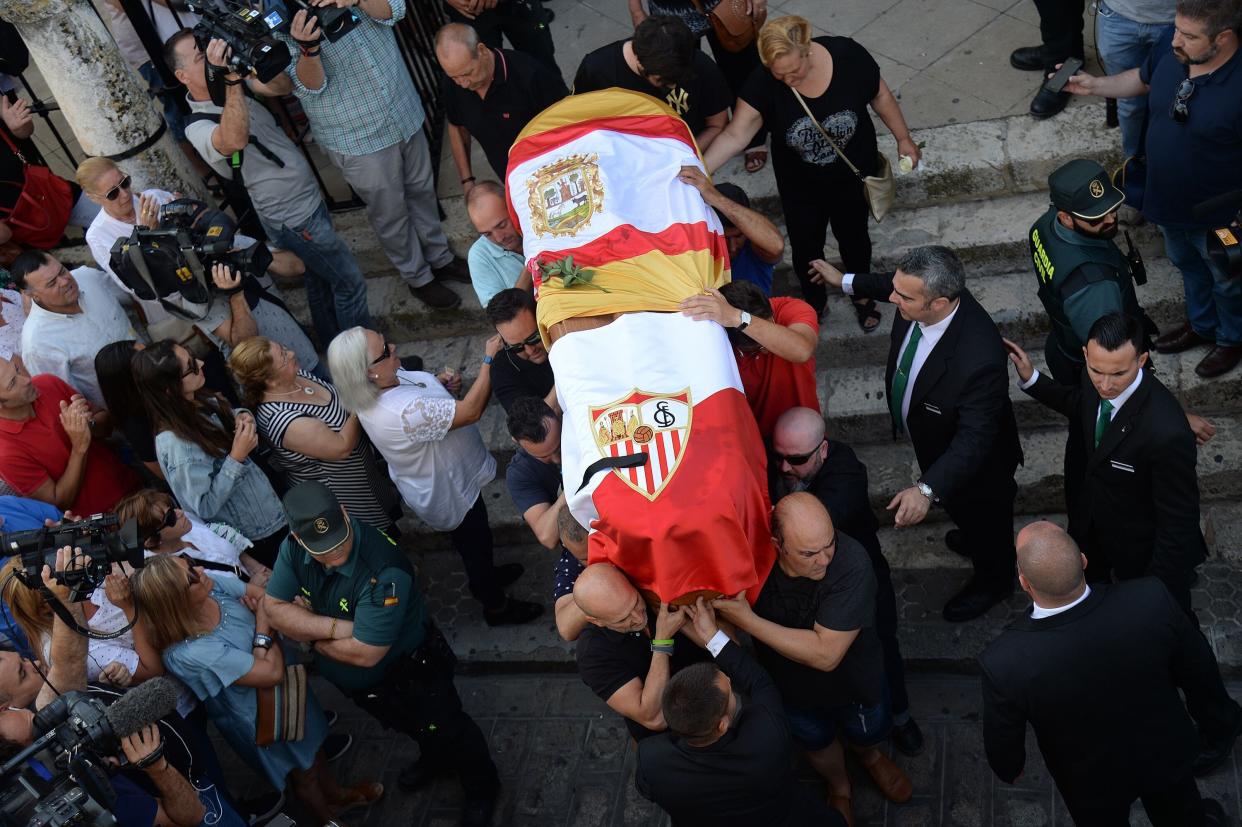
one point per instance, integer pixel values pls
(358, 481)
(367, 101)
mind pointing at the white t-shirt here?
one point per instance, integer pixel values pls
(103, 233)
(439, 472)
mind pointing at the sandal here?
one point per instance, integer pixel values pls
(868, 317)
(360, 795)
(756, 159)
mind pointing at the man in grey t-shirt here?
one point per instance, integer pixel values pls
(278, 178)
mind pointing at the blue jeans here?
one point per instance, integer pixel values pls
(335, 288)
(1124, 44)
(1213, 300)
(858, 725)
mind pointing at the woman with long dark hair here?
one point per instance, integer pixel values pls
(114, 369)
(204, 449)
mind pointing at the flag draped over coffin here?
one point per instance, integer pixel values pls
(661, 457)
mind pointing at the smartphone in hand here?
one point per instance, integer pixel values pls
(1068, 69)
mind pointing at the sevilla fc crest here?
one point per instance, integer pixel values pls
(641, 422)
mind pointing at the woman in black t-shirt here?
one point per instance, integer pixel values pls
(838, 80)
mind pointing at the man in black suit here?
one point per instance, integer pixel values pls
(1130, 482)
(803, 458)
(946, 387)
(1096, 672)
(727, 758)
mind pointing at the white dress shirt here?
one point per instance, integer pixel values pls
(1116, 403)
(1038, 612)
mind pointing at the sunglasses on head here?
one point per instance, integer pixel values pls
(383, 352)
(123, 184)
(797, 459)
(530, 341)
(192, 579)
(1180, 110)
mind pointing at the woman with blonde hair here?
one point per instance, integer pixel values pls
(214, 636)
(312, 435)
(837, 80)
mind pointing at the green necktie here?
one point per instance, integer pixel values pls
(1101, 424)
(902, 377)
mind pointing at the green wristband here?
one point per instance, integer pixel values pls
(662, 642)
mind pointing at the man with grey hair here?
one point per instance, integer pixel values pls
(946, 383)
(1097, 671)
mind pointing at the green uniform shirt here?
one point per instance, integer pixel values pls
(374, 588)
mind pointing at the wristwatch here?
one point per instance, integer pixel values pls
(744, 323)
(926, 490)
(262, 641)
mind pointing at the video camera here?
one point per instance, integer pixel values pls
(101, 537)
(333, 22)
(73, 736)
(248, 33)
(176, 258)
(1224, 244)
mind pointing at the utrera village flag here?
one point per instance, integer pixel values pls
(661, 457)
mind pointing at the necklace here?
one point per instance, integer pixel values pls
(306, 389)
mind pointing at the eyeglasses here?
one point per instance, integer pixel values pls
(115, 191)
(383, 352)
(192, 579)
(797, 459)
(530, 341)
(192, 370)
(1180, 111)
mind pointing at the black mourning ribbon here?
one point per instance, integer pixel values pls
(627, 461)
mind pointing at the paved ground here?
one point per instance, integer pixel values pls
(565, 759)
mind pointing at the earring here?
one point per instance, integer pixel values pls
(373, 376)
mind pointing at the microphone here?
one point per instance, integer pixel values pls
(144, 704)
(1204, 209)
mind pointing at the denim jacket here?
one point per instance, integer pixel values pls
(219, 489)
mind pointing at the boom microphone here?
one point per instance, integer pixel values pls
(144, 704)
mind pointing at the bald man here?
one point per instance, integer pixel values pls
(626, 655)
(1096, 671)
(496, 259)
(814, 631)
(803, 458)
(489, 94)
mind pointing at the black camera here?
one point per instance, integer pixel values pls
(333, 22)
(176, 258)
(101, 537)
(248, 33)
(1224, 244)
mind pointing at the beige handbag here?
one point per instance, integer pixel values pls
(880, 190)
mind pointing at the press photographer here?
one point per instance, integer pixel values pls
(243, 141)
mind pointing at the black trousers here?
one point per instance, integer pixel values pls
(417, 697)
(1177, 806)
(522, 21)
(808, 215)
(886, 630)
(1060, 29)
(987, 533)
(473, 541)
(736, 68)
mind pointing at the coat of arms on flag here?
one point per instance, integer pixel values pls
(565, 194)
(641, 422)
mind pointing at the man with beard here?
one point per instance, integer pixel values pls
(1194, 153)
(1082, 273)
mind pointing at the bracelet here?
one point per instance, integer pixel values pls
(153, 758)
(487, 360)
(311, 52)
(661, 649)
(663, 642)
(332, 630)
(467, 180)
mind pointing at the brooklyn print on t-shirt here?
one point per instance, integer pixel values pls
(806, 140)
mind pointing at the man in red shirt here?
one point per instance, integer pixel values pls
(774, 342)
(46, 447)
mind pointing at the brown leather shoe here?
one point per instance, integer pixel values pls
(841, 803)
(890, 780)
(1220, 360)
(1183, 338)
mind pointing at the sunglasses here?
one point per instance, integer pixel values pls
(530, 341)
(1180, 111)
(384, 351)
(797, 459)
(167, 521)
(192, 370)
(1094, 222)
(124, 183)
(192, 579)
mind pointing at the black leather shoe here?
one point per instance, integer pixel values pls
(973, 601)
(477, 812)
(1211, 756)
(509, 572)
(955, 542)
(513, 612)
(908, 738)
(1027, 58)
(1214, 814)
(456, 270)
(1046, 104)
(416, 776)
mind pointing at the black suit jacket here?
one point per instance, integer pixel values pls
(1099, 685)
(746, 777)
(1135, 498)
(960, 419)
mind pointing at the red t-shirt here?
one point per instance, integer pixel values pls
(38, 449)
(774, 385)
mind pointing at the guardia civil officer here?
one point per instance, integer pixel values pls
(1082, 273)
(372, 637)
